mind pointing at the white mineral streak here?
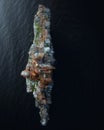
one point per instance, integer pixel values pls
(38, 72)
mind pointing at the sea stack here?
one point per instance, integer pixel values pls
(39, 68)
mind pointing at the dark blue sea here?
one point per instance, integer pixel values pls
(74, 96)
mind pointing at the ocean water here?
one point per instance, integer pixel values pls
(74, 41)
